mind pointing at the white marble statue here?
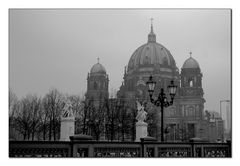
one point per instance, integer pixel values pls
(67, 110)
(67, 122)
(141, 116)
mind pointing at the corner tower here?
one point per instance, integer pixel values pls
(191, 78)
(191, 98)
(97, 84)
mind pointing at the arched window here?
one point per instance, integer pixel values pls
(146, 60)
(95, 85)
(165, 61)
(191, 83)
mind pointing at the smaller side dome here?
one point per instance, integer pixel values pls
(98, 68)
(190, 63)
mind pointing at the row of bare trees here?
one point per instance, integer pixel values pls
(112, 119)
(35, 118)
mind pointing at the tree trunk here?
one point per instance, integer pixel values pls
(112, 131)
(24, 135)
(133, 131)
(50, 130)
(84, 125)
(122, 132)
(29, 134)
(44, 132)
(54, 130)
(33, 133)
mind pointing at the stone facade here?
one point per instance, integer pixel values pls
(184, 119)
(97, 84)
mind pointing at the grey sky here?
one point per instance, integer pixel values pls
(57, 48)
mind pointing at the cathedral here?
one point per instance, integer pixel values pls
(184, 119)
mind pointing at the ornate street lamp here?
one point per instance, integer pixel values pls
(162, 99)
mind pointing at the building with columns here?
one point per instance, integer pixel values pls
(185, 118)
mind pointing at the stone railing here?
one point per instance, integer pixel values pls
(40, 149)
(91, 148)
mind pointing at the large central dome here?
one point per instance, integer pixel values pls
(151, 54)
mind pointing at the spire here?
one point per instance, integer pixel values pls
(151, 25)
(190, 53)
(151, 35)
(98, 60)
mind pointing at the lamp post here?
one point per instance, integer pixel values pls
(221, 106)
(222, 116)
(161, 101)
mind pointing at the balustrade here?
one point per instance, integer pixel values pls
(116, 149)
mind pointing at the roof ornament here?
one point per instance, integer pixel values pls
(98, 60)
(151, 35)
(190, 54)
(151, 25)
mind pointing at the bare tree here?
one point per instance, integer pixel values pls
(13, 108)
(44, 120)
(86, 113)
(12, 103)
(124, 119)
(96, 120)
(111, 123)
(36, 115)
(53, 104)
(27, 116)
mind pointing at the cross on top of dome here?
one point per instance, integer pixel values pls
(190, 53)
(98, 68)
(151, 35)
(151, 25)
(190, 62)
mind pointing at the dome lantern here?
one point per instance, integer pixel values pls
(151, 35)
(151, 54)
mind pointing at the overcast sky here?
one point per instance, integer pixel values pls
(57, 48)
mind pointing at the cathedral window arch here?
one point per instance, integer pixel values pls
(95, 86)
(146, 60)
(190, 82)
(165, 61)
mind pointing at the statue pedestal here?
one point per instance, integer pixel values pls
(141, 130)
(67, 128)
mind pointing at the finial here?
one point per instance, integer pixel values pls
(190, 53)
(151, 35)
(98, 60)
(151, 25)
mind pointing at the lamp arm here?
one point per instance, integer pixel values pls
(167, 104)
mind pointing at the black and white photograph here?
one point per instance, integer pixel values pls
(120, 83)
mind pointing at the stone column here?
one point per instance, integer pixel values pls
(67, 128)
(141, 130)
